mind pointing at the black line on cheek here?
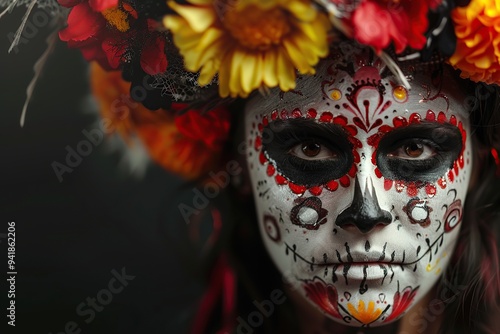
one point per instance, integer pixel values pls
(454, 193)
(427, 241)
(262, 194)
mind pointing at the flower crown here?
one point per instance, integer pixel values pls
(187, 56)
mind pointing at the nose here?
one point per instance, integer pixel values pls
(364, 211)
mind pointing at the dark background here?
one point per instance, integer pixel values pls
(70, 235)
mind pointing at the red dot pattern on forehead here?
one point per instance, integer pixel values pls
(324, 117)
(412, 188)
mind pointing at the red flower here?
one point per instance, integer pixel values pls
(323, 295)
(210, 128)
(402, 300)
(101, 30)
(153, 59)
(377, 23)
(189, 144)
(87, 30)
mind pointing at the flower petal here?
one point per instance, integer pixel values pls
(199, 18)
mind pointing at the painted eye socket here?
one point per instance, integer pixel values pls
(313, 150)
(307, 152)
(419, 153)
(413, 149)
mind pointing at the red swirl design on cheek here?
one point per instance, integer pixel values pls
(453, 215)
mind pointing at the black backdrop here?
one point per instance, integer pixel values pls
(74, 236)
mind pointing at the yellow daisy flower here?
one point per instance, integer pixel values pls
(250, 43)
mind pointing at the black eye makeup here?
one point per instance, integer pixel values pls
(420, 152)
(307, 152)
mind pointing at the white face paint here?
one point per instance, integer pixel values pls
(359, 184)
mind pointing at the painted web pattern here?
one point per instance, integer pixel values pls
(179, 84)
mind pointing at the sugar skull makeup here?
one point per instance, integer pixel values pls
(360, 183)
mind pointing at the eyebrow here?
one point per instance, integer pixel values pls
(305, 125)
(437, 131)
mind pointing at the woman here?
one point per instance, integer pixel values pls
(373, 170)
(360, 187)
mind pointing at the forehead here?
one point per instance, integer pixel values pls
(360, 86)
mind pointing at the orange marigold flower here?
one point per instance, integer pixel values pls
(477, 28)
(188, 144)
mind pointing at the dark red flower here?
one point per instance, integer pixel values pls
(377, 23)
(401, 302)
(210, 128)
(101, 29)
(153, 58)
(323, 295)
(189, 144)
(87, 30)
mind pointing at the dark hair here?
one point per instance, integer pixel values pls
(473, 275)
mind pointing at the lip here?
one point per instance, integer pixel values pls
(368, 263)
(355, 257)
(383, 254)
(373, 256)
(366, 270)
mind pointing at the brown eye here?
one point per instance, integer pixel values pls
(311, 149)
(414, 150)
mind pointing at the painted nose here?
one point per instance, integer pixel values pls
(364, 211)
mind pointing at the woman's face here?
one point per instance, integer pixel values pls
(360, 184)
